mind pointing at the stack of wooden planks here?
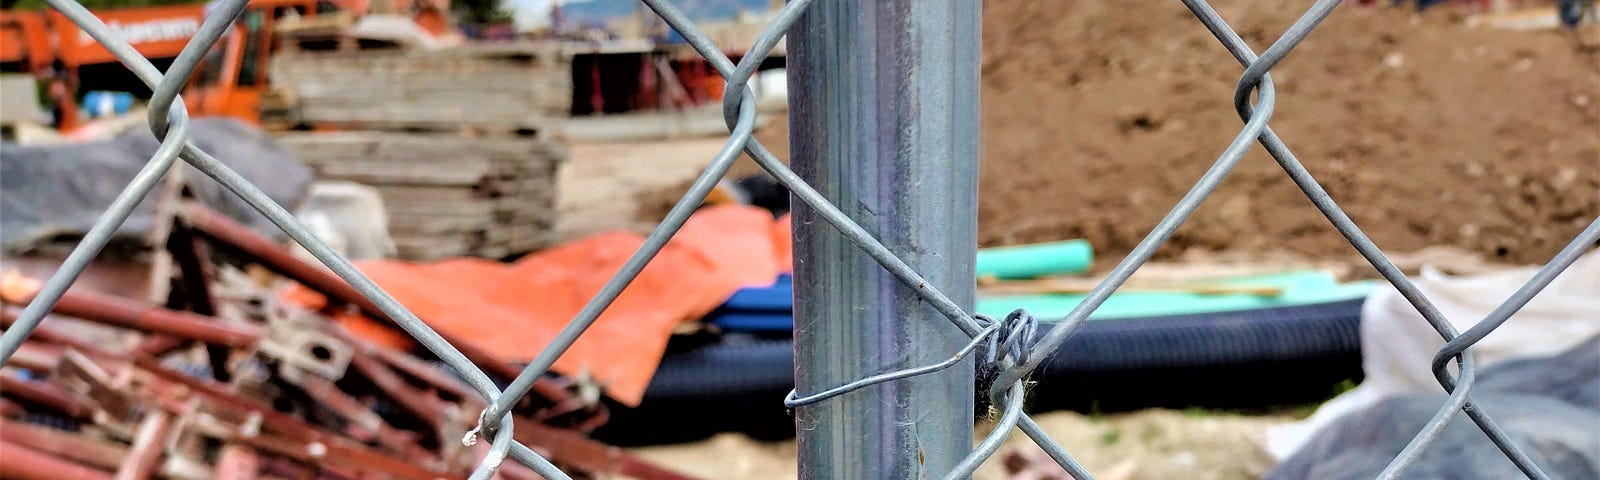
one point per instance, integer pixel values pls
(461, 142)
(447, 195)
(498, 88)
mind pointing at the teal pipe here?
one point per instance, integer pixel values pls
(1022, 262)
(1299, 288)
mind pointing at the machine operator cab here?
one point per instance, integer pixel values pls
(233, 75)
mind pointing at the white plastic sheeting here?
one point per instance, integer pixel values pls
(52, 194)
(772, 89)
(1398, 345)
(349, 217)
(396, 28)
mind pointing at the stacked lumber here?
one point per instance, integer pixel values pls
(499, 89)
(447, 195)
(457, 141)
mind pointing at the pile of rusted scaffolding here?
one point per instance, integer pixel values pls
(225, 382)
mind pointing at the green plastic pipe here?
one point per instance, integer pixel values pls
(1299, 288)
(1021, 262)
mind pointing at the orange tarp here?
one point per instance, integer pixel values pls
(513, 310)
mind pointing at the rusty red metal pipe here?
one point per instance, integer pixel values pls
(421, 371)
(67, 446)
(149, 445)
(106, 359)
(36, 356)
(575, 447)
(237, 462)
(334, 454)
(46, 395)
(216, 397)
(306, 440)
(125, 313)
(25, 463)
(225, 232)
(564, 445)
(363, 422)
(279, 467)
(158, 345)
(194, 267)
(48, 334)
(9, 408)
(284, 435)
(586, 453)
(414, 402)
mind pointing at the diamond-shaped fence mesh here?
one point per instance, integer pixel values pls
(1010, 346)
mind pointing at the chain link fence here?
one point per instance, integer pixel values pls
(1008, 344)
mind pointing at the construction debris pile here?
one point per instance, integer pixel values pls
(223, 381)
(446, 195)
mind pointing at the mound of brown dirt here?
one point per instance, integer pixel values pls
(1099, 116)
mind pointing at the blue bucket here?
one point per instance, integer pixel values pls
(101, 103)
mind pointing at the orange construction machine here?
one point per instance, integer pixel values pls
(231, 80)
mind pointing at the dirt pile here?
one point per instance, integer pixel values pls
(1099, 116)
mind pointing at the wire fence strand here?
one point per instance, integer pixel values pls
(1011, 349)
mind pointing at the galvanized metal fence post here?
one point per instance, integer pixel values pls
(883, 114)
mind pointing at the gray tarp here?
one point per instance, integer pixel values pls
(1549, 405)
(51, 193)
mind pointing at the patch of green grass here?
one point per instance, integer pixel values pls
(1198, 412)
(1203, 412)
(1304, 411)
(1150, 433)
(1111, 437)
(1344, 386)
(1300, 411)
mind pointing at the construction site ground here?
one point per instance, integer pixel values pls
(1098, 116)
(1153, 444)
